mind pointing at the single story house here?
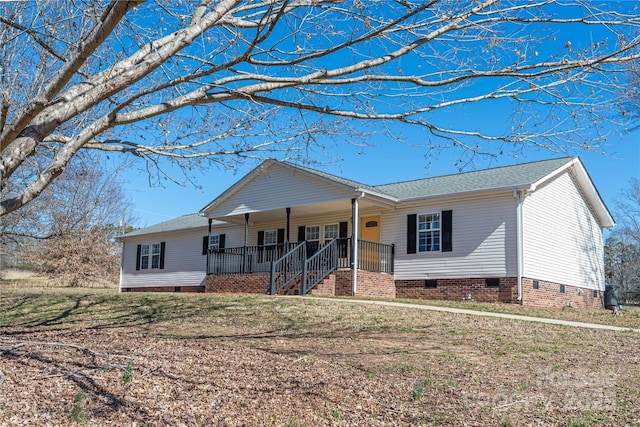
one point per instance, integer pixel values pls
(529, 234)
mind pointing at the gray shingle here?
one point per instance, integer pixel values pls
(506, 176)
(185, 222)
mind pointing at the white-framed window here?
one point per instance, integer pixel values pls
(144, 257)
(150, 256)
(331, 231)
(155, 255)
(271, 237)
(312, 233)
(429, 232)
(214, 242)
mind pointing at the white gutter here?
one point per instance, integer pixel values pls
(121, 266)
(519, 195)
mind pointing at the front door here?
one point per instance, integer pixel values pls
(370, 232)
(370, 228)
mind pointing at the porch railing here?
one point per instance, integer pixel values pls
(244, 260)
(286, 269)
(372, 256)
(377, 257)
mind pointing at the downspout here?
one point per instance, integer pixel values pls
(287, 239)
(355, 221)
(519, 195)
(208, 251)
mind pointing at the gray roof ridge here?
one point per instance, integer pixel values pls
(491, 169)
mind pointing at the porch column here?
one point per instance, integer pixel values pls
(209, 245)
(354, 242)
(246, 242)
(287, 238)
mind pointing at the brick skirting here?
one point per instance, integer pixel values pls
(257, 283)
(548, 294)
(503, 289)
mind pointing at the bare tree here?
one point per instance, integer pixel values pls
(196, 83)
(68, 231)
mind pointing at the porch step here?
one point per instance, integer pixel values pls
(326, 288)
(292, 288)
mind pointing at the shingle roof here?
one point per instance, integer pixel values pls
(501, 177)
(185, 222)
(334, 178)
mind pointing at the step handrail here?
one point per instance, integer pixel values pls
(291, 265)
(319, 266)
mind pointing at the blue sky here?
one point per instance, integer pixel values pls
(387, 160)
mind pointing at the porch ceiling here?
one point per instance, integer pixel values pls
(303, 210)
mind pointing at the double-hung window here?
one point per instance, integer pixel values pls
(331, 231)
(270, 237)
(150, 256)
(429, 232)
(214, 242)
(155, 255)
(313, 233)
(144, 257)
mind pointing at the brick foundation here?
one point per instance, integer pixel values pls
(503, 289)
(548, 295)
(165, 289)
(370, 284)
(257, 283)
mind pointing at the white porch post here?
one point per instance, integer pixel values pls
(354, 242)
(246, 242)
(208, 252)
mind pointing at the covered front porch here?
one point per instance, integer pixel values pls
(296, 227)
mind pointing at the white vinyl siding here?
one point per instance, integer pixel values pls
(483, 240)
(562, 240)
(265, 192)
(184, 264)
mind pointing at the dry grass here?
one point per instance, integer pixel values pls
(167, 359)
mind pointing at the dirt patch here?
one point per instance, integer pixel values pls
(255, 362)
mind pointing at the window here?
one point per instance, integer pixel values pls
(331, 231)
(313, 233)
(536, 284)
(270, 237)
(595, 294)
(562, 289)
(144, 257)
(429, 232)
(214, 242)
(150, 256)
(155, 255)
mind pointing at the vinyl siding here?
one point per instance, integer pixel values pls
(276, 188)
(563, 241)
(483, 240)
(184, 264)
(235, 237)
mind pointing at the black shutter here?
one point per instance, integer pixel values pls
(260, 238)
(138, 257)
(302, 233)
(280, 236)
(221, 241)
(161, 255)
(343, 229)
(412, 227)
(446, 231)
(205, 244)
